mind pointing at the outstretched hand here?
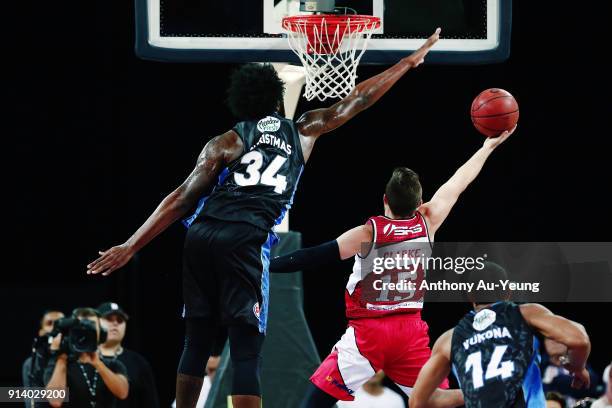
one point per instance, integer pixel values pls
(418, 57)
(493, 142)
(110, 260)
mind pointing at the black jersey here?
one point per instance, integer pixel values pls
(258, 187)
(495, 357)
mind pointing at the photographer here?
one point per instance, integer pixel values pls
(143, 392)
(34, 367)
(93, 381)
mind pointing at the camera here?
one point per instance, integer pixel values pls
(78, 336)
(38, 360)
(40, 344)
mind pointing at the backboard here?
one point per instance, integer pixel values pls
(473, 31)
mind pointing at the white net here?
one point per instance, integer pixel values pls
(330, 48)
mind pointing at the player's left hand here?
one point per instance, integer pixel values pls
(418, 57)
(493, 142)
(581, 379)
(110, 260)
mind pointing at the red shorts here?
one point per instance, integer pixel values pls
(397, 344)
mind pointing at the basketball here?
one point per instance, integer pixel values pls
(494, 111)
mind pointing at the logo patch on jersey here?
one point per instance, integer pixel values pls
(484, 319)
(400, 231)
(256, 310)
(268, 124)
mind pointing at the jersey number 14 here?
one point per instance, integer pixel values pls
(495, 368)
(268, 177)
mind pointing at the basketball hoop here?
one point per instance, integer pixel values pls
(330, 47)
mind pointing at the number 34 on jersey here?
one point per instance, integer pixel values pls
(255, 175)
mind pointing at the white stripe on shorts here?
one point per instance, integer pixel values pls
(354, 368)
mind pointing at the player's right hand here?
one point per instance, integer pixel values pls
(110, 260)
(581, 379)
(493, 142)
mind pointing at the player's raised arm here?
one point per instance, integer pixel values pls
(345, 246)
(440, 205)
(214, 157)
(314, 123)
(425, 392)
(569, 333)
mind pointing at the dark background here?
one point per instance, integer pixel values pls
(402, 18)
(94, 138)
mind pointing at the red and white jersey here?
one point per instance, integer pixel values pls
(387, 275)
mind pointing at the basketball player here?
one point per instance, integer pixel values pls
(385, 333)
(256, 167)
(494, 351)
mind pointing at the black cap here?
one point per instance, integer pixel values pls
(110, 308)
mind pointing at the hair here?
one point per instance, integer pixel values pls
(555, 396)
(46, 312)
(255, 91)
(491, 273)
(84, 312)
(403, 192)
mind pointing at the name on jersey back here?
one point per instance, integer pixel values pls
(274, 141)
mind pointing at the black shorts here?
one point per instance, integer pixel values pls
(225, 272)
